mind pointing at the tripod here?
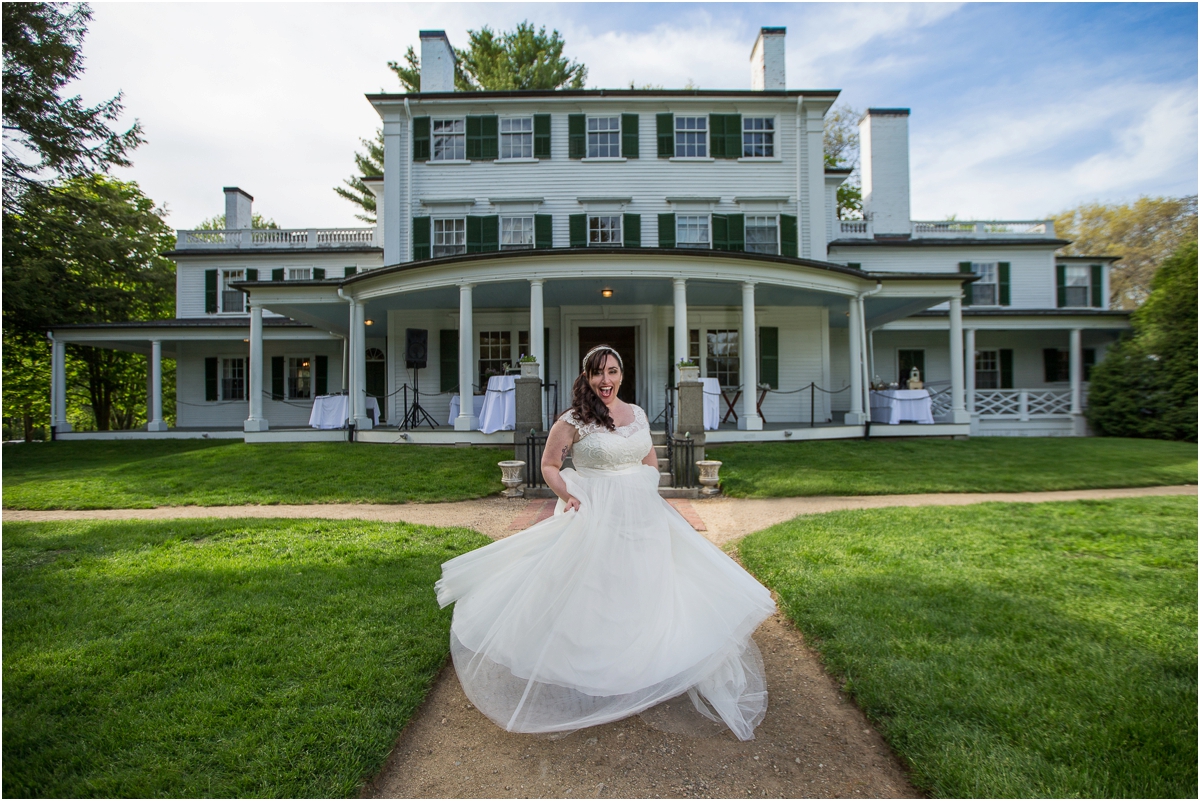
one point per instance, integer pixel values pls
(416, 413)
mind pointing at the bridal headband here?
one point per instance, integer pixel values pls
(598, 348)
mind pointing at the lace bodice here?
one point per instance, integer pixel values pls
(601, 449)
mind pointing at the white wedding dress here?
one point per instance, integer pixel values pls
(597, 614)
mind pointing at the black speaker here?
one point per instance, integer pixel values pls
(416, 347)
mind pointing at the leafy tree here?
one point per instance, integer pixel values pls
(46, 135)
(841, 150)
(1146, 385)
(369, 164)
(1143, 233)
(217, 223)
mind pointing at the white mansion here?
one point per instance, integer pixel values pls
(667, 223)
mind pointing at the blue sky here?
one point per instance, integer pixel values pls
(1018, 110)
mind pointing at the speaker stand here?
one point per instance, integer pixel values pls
(416, 413)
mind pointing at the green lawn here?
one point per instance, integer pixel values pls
(981, 464)
(1008, 650)
(228, 658)
(141, 474)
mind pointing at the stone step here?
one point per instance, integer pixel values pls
(664, 478)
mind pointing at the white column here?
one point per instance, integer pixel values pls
(813, 244)
(394, 157)
(958, 411)
(749, 419)
(156, 422)
(358, 382)
(681, 328)
(58, 387)
(466, 420)
(970, 357)
(1076, 371)
(856, 416)
(254, 390)
(537, 325)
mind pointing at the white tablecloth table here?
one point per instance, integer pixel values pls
(712, 403)
(893, 405)
(476, 406)
(332, 411)
(499, 412)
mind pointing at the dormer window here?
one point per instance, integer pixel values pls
(449, 140)
(604, 137)
(516, 138)
(691, 137)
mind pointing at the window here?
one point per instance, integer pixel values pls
(516, 138)
(495, 353)
(691, 231)
(299, 273)
(233, 379)
(232, 300)
(691, 137)
(603, 137)
(449, 140)
(1078, 288)
(604, 230)
(908, 359)
(516, 233)
(1058, 364)
(758, 137)
(723, 358)
(985, 292)
(987, 369)
(299, 377)
(449, 236)
(762, 234)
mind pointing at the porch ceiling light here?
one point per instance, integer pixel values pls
(368, 322)
(606, 293)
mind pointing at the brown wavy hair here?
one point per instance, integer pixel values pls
(585, 402)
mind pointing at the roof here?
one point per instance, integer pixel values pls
(1011, 312)
(1088, 258)
(777, 94)
(190, 322)
(921, 242)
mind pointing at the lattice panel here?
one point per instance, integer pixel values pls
(1049, 403)
(998, 403)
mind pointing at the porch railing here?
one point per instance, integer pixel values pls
(1022, 404)
(957, 229)
(291, 238)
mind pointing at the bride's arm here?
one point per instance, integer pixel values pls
(558, 445)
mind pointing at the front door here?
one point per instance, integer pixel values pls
(622, 340)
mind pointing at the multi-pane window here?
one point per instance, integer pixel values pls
(604, 230)
(495, 353)
(233, 379)
(758, 137)
(691, 231)
(299, 273)
(449, 140)
(299, 377)
(232, 300)
(449, 236)
(762, 234)
(516, 138)
(984, 292)
(1079, 289)
(516, 233)
(987, 369)
(691, 137)
(603, 137)
(723, 359)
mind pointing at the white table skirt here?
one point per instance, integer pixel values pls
(476, 406)
(499, 412)
(332, 411)
(893, 405)
(712, 403)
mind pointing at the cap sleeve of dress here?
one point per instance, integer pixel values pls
(570, 417)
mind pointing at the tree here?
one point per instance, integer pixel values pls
(1143, 233)
(841, 150)
(1146, 385)
(217, 223)
(47, 136)
(369, 164)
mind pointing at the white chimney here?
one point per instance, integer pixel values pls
(768, 69)
(237, 208)
(883, 148)
(375, 184)
(437, 62)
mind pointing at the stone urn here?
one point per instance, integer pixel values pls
(709, 479)
(529, 370)
(512, 475)
(689, 373)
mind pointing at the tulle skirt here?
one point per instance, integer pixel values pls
(594, 615)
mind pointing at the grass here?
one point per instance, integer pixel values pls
(981, 464)
(1008, 650)
(227, 658)
(143, 474)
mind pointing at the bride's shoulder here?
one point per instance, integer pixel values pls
(638, 412)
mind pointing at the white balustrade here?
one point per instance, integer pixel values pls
(982, 229)
(1023, 404)
(292, 238)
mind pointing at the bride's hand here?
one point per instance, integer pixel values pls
(572, 504)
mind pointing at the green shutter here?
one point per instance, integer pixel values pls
(666, 230)
(210, 379)
(490, 137)
(351, 271)
(671, 373)
(737, 232)
(854, 265)
(716, 136)
(720, 232)
(420, 238)
(543, 231)
(1050, 364)
(319, 273)
(629, 136)
(251, 274)
(768, 356)
(789, 238)
(321, 380)
(733, 136)
(577, 135)
(1062, 284)
(420, 127)
(1097, 286)
(1005, 293)
(578, 225)
(665, 127)
(490, 233)
(1089, 361)
(631, 230)
(1006, 368)
(210, 291)
(277, 274)
(968, 294)
(277, 378)
(448, 359)
(475, 138)
(541, 136)
(474, 234)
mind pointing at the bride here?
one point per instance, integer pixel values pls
(613, 605)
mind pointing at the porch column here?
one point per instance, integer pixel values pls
(1076, 371)
(855, 417)
(537, 325)
(466, 420)
(58, 387)
(254, 391)
(958, 411)
(681, 328)
(970, 357)
(155, 416)
(358, 381)
(749, 419)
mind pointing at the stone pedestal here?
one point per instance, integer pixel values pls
(528, 412)
(690, 414)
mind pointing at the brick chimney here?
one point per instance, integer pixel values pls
(883, 148)
(437, 62)
(237, 208)
(768, 68)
